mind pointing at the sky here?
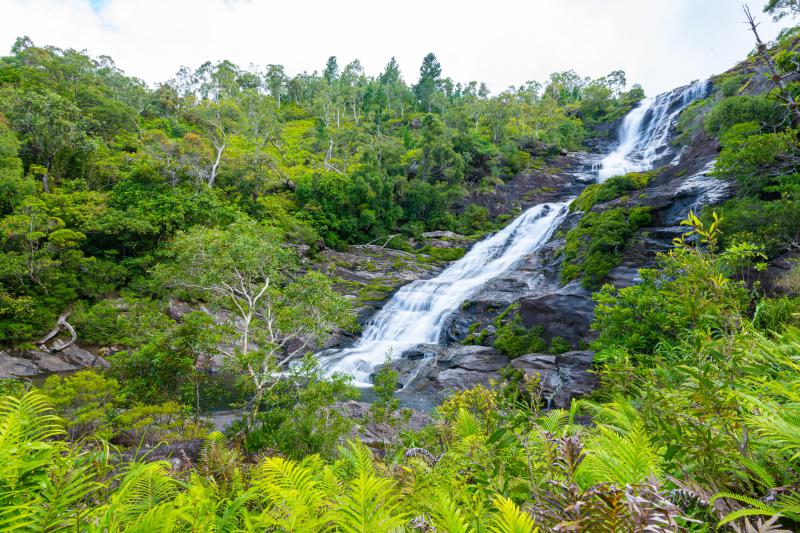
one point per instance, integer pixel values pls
(660, 44)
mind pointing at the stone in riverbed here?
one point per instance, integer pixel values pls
(15, 367)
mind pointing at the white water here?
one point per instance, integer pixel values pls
(645, 132)
(417, 312)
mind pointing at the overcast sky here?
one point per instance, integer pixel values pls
(659, 43)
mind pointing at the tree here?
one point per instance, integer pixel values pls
(778, 78)
(782, 8)
(276, 81)
(248, 270)
(429, 81)
(49, 126)
(331, 72)
(12, 185)
(220, 121)
(391, 82)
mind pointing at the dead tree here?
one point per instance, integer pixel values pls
(60, 324)
(775, 74)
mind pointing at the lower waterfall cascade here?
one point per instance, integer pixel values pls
(417, 313)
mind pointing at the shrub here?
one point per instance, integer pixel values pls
(736, 109)
(513, 339)
(86, 400)
(443, 254)
(611, 189)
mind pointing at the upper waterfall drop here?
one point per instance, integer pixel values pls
(418, 311)
(644, 134)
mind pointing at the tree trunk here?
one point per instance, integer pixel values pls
(776, 77)
(212, 178)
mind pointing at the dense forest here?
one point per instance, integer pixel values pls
(221, 187)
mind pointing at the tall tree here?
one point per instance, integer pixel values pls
(50, 127)
(276, 81)
(249, 270)
(782, 8)
(430, 73)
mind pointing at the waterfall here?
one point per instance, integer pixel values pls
(645, 133)
(418, 311)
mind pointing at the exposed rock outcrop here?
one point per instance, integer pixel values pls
(567, 312)
(19, 363)
(429, 372)
(562, 377)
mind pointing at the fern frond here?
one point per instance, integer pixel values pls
(466, 425)
(509, 518)
(370, 504)
(448, 517)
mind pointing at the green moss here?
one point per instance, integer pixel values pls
(596, 244)
(611, 189)
(514, 340)
(441, 254)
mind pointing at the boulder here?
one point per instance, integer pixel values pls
(50, 363)
(562, 377)
(82, 358)
(428, 372)
(566, 312)
(16, 367)
(21, 363)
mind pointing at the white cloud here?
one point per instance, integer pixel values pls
(659, 44)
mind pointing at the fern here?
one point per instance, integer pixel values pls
(508, 518)
(291, 492)
(144, 487)
(622, 459)
(448, 517)
(466, 425)
(370, 504)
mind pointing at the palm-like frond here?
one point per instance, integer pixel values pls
(508, 518)
(448, 517)
(617, 458)
(369, 504)
(144, 487)
(291, 493)
(466, 425)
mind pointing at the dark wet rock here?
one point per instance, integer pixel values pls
(444, 369)
(16, 367)
(50, 363)
(566, 312)
(562, 377)
(21, 363)
(83, 358)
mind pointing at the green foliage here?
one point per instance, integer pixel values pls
(385, 385)
(736, 109)
(611, 189)
(514, 340)
(443, 254)
(86, 399)
(297, 415)
(596, 244)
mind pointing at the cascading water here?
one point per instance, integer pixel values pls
(417, 312)
(644, 135)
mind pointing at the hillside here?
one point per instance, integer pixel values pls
(338, 301)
